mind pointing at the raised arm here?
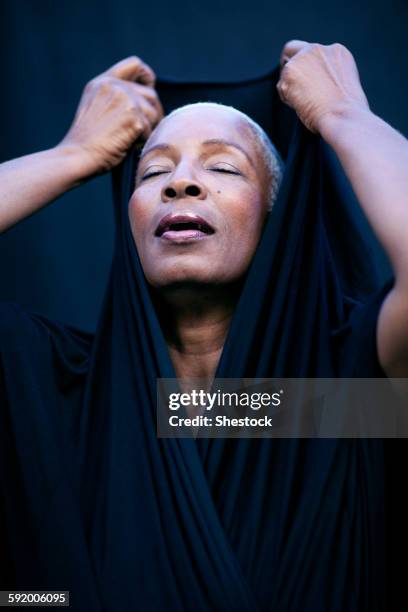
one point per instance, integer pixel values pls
(116, 108)
(322, 85)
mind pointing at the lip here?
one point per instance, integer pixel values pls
(164, 229)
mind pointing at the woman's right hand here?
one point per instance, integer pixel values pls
(116, 108)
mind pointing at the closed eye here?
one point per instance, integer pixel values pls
(158, 172)
(224, 170)
(150, 174)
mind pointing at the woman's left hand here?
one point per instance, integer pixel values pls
(319, 80)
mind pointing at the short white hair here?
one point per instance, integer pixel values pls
(267, 149)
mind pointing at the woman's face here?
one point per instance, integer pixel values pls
(199, 205)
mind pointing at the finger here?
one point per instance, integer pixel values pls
(132, 69)
(143, 126)
(290, 49)
(281, 91)
(150, 95)
(148, 111)
(147, 129)
(142, 99)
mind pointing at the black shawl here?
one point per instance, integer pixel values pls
(93, 502)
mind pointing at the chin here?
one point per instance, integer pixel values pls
(181, 279)
(185, 285)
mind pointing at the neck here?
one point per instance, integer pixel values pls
(195, 322)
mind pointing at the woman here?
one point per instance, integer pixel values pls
(321, 83)
(184, 524)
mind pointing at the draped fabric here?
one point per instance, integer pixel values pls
(93, 502)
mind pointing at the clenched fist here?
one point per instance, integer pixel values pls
(116, 108)
(318, 80)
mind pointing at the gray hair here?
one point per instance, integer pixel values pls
(267, 149)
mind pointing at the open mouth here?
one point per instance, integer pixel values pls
(183, 227)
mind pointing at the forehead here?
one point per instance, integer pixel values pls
(202, 123)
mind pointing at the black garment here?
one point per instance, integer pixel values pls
(94, 503)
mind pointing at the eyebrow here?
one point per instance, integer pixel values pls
(211, 141)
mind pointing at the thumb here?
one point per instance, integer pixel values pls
(132, 69)
(290, 49)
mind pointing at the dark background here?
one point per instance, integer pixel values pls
(57, 261)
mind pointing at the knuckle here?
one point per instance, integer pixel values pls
(281, 93)
(152, 97)
(133, 109)
(150, 93)
(103, 78)
(138, 126)
(286, 74)
(118, 95)
(96, 80)
(90, 85)
(319, 50)
(134, 59)
(342, 49)
(131, 122)
(134, 115)
(103, 84)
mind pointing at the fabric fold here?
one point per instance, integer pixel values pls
(234, 525)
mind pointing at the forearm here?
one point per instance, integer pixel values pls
(375, 159)
(116, 108)
(29, 183)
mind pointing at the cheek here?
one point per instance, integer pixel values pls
(246, 214)
(139, 215)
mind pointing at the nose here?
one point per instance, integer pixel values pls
(179, 188)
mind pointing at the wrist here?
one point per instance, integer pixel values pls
(332, 123)
(78, 163)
